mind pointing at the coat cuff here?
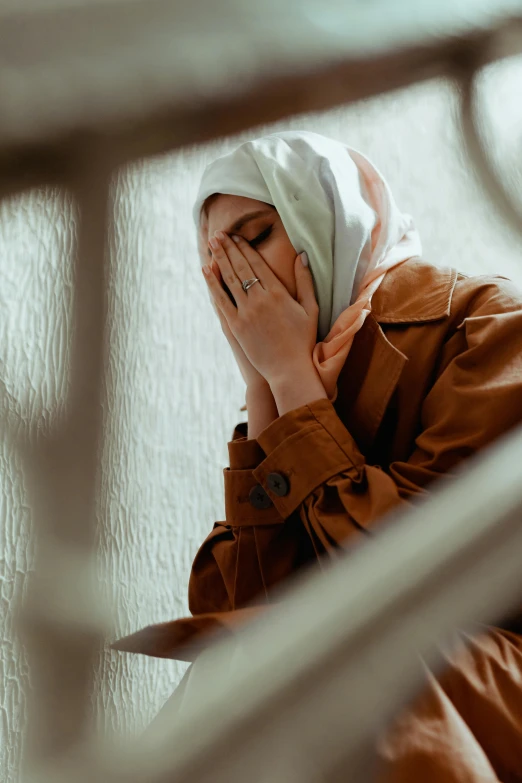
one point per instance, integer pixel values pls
(306, 446)
(244, 454)
(239, 509)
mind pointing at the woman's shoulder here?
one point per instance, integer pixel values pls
(495, 292)
(418, 291)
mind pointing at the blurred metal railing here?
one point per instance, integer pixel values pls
(88, 88)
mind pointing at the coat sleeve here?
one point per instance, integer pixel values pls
(333, 494)
(226, 574)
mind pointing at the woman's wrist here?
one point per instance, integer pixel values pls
(257, 387)
(299, 386)
(261, 407)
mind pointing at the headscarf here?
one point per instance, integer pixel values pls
(335, 205)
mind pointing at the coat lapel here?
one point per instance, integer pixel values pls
(367, 382)
(412, 293)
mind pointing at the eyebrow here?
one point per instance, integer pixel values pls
(247, 217)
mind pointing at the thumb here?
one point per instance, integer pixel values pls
(304, 284)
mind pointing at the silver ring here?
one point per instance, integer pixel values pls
(246, 284)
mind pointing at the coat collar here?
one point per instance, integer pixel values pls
(414, 292)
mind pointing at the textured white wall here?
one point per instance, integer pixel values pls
(173, 390)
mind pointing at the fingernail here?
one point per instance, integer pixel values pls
(214, 244)
(220, 235)
(304, 258)
(206, 270)
(235, 238)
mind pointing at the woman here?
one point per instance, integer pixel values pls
(370, 374)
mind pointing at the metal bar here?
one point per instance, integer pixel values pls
(466, 74)
(166, 74)
(63, 620)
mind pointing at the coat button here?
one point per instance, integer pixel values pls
(278, 484)
(259, 498)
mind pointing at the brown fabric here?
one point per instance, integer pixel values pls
(434, 375)
(466, 725)
(189, 636)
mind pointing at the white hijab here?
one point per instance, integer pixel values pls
(334, 204)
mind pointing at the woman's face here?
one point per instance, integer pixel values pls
(261, 226)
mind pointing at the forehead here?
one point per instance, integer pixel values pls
(225, 210)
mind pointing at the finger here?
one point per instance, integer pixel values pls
(217, 271)
(236, 257)
(218, 294)
(222, 320)
(257, 264)
(225, 328)
(232, 274)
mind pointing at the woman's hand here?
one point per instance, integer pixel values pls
(253, 379)
(276, 333)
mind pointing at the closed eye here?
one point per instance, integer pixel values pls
(261, 237)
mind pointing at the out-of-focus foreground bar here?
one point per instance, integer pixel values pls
(151, 75)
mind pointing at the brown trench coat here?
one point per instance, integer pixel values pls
(434, 375)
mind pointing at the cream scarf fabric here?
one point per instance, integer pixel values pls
(335, 205)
